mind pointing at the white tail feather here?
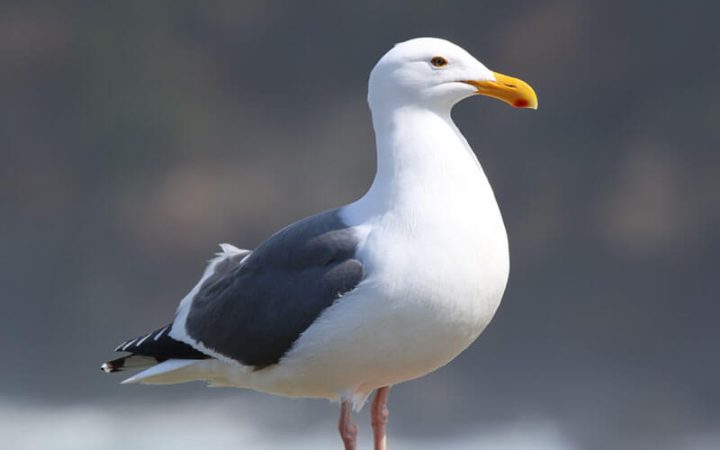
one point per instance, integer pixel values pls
(168, 372)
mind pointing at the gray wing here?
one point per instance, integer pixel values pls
(253, 309)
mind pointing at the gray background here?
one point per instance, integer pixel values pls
(138, 135)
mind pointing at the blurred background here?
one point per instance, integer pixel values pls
(138, 135)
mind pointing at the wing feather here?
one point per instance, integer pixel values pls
(252, 309)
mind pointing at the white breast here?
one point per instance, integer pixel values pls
(437, 242)
(436, 260)
(440, 295)
(418, 308)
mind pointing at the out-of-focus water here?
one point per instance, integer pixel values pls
(208, 426)
(181, 426)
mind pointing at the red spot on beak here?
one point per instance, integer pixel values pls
(521, 103)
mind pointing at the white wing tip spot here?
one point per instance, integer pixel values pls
(160, 333)
(128, 344)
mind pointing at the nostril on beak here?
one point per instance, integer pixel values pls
(510, 85)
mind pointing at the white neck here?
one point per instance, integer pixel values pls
(423, 161)
(430, 216)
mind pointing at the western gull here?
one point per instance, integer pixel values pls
(383, 290)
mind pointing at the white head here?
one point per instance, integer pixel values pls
(436, 74)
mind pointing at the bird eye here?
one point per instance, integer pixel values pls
(439, 61)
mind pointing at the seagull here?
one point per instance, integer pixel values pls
(357, 299)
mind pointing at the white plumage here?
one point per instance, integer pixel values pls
(429, 235)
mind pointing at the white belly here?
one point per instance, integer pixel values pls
(417, 309)
(435, 255)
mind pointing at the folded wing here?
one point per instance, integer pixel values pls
(252, 309)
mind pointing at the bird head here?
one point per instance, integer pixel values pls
(436, 73)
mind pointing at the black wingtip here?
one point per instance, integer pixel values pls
(160, 345)
(115, 365)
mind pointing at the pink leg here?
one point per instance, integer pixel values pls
(380, 415)
(348, 430)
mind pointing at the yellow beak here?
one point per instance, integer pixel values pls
(511, 90)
